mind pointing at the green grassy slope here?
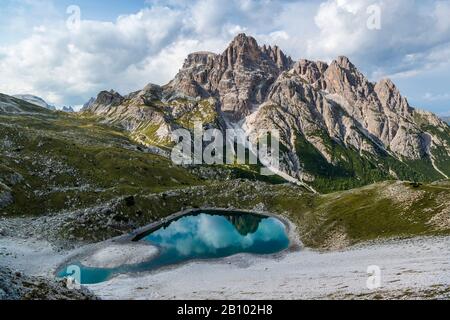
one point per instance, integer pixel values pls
(352, 169)
(384, 210)
(337, 220)
(54, 161)
(81, 180)
(59, 161)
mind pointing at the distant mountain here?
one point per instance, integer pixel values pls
(338, 129)
(70, 180)
(446, 119)
(68, 109)
(88, 104)
(35, 100)
(11, 105)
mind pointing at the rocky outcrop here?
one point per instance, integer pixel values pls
(311, 72)
(105, 101)
(378, 108)
(193, 80)
(17, 286)
(153, 113)
(6, 197)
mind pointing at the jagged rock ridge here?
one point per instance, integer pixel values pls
(335, 124)
(239, 78)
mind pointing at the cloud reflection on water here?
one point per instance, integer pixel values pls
(205, 234)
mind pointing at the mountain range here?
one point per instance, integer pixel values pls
(38, 101)
(35, 100)
(338, 129)
(446, 119)
(67, 109)
(74, 179)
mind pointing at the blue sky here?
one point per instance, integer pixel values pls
(127, 44)
(36, 12)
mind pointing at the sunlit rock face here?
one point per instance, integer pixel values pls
(332, 119)
(240, 77)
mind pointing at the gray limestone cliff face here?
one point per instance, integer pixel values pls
(263, 88)
(239, 78)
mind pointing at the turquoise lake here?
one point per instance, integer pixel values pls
(201, 236)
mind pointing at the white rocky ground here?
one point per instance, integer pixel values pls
(30, 256)
(409, 268)
(115, 256)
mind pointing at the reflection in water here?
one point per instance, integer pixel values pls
(202, 236)
(245, 224)
(212, 236)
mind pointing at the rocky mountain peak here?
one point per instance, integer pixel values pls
(245, 51)
(244, 42)
(68, 109)
(310, 71)
(239, 78)
(317, 107)
(107, 99)
(386, 82)
(282, 61)
(151, 87)
(343, 78)
(146, 96)
(345, 63)
(248, 45)
(242, 51)
(199, 58)
(391, 98)
(244, 74)
(88, 104)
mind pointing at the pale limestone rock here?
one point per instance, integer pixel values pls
(265, 89)
(240, 77)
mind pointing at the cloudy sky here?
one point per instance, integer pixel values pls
(127, 44)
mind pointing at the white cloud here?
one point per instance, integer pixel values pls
(411, 37)
(61, 65)
(150, 46)
(436, 97)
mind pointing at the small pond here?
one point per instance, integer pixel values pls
(199, 236)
